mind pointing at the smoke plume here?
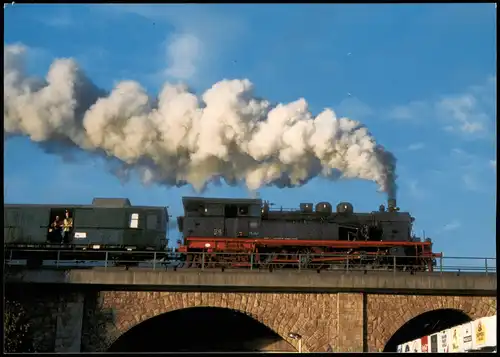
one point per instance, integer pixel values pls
(228, 134)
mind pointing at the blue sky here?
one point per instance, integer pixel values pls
(421, 77)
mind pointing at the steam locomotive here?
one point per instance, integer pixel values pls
(308, 236)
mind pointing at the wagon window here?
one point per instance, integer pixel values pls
(152, 222)
(134, 220)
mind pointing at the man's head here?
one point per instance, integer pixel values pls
(57, 218)
(67, 214)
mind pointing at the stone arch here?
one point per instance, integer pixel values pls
(426, 324)
(279, 312)
(388, 313)
(214, 327)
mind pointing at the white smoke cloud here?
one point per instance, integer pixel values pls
(180, 139)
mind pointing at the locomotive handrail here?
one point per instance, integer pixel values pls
(76, 226)
(169, 259)
(235, 253)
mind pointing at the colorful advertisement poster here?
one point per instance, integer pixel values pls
(466, 337)
(484, 332)
(479, 333)
(443, 342)
(434, 343)
(424, 344)
(456, 339)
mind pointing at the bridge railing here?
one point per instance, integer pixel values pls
(41, 259)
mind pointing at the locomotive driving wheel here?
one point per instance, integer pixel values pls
(283, 255)
(267, 261)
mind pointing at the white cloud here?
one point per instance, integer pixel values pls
(184, 53)
(471, 169)
(469, 113)
(451, 226)
(201, 37)
(416, 146)
(463, 112)
(470, 181)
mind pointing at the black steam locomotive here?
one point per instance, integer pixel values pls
(312, 236)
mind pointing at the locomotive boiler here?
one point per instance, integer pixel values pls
(311, 235)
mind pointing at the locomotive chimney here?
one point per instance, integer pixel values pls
(391, 205)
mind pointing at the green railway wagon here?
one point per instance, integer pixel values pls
(106, 224)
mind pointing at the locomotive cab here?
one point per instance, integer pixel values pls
(217, 217)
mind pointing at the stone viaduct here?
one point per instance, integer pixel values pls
(328, 311)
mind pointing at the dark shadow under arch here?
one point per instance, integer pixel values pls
(199, 329)
(426, 324)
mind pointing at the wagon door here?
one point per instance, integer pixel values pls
(155, 235)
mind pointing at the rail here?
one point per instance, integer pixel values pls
(48, 259)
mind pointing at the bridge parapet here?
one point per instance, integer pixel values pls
(189, 280)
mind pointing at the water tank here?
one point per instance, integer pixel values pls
(306, 207)
(324, 208)
(345, 207)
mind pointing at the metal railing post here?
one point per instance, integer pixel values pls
(58, 258)
(154, 261)
(486, 265)
(10, 257)
(394, 264)
(300, 262)
(441, 264)
(347, 263)
(251, 261)
(106, 261)
(202, 260)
